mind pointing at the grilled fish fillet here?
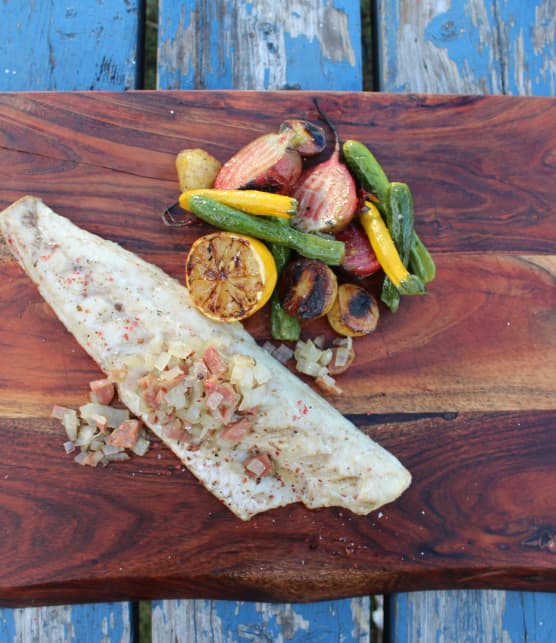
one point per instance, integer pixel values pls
(253, 433)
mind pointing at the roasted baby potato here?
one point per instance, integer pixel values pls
(196, 168)
(355, 311)
(307, 289)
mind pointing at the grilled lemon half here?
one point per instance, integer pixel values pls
(229, 276)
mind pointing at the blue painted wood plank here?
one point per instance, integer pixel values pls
(473, 617)
(200, 621)
(90, 44)
(467, 46)
(259, 44)
(68, 624)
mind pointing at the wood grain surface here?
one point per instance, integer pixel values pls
(459, 384)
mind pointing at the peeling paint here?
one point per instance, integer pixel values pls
(361, 612)
(473, 46)
(187, 620)
(106, 623)
(60, 46)
(448, 616)
(288, 620)
(259, 45)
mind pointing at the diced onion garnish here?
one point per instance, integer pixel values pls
(306, 351)
(114, 416)
(242, 373)
(111, 449)
(71, 425)
(175, 397)
(328, 385)
(256, 467)
(69, 446)
(141, 446)
(253, 398)
(179, 350)
(319, 341)
(85, 435)
(116, 457)
(269, 347)
(313, 369)
(343, 355)
(282, 353)
(173, 374)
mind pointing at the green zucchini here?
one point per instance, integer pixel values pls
(420, 260)
(282, 325)
(366, 169)
(308, 245)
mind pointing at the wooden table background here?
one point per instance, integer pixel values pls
(477, 46)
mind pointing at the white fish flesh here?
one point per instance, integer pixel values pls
(252, 432)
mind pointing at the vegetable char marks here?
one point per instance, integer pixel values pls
(254, 434)
(326, 193)
(273, 161)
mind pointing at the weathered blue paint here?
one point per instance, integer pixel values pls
(467, 46)
(321, 73)
(317, 622)
(474, 55)
(90, 44)
(204, 621)
(522, 46)
(217, 44)
(533, 615)
(473, 617)
(68, 624)
(529, 47)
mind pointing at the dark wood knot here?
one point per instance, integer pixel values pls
(543, 538)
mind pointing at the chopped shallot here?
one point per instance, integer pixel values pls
(237, 431)
(126, 434)
(313, 359)
(114, 416)
(94, 426)
(141, 446)
(269, 347)
(282, 353)
(258, 466)
(69, 446)
(328, 385)
(102, 391)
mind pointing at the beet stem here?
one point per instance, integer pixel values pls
(330, 125)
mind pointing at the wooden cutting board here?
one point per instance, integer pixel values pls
(459, 384)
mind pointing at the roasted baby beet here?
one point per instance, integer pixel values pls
(326, 194)
(307, 289)
(272, 161)
(359, 259)
(355, 311)
(310, 139)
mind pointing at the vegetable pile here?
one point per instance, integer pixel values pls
(325, 226)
